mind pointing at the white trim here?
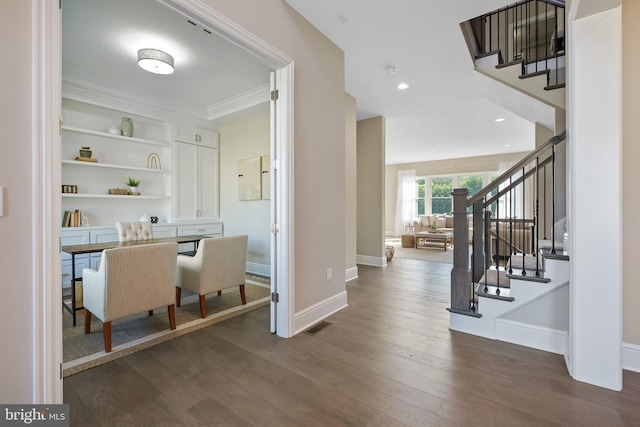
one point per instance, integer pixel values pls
(320, 311)
(46, 266)
(631, 357)
(257, 96)
(351, 274)
(259, 269)
(539, 337)
(372, 260)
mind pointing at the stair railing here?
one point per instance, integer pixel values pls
(530, 33)
(514, 231)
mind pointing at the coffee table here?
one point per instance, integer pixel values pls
(445, 239)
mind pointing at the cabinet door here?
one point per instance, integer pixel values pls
(185, 133)
(186, 181)
(208, 189)
(73, 237)
(207, 138)
(82, 261)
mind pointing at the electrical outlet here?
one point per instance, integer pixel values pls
(329, 273)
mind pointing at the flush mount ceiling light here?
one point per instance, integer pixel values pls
(403, 86)
(500, 119)
(155, 61)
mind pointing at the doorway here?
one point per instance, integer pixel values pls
(48, 105)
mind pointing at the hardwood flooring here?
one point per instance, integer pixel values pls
(388, 359)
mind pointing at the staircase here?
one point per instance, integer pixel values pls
(523, 46)
(514, 286)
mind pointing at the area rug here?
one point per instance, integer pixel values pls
(429, 253)
(131, 334)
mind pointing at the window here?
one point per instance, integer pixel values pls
(420, 196)
(433, 194)
(441, 199)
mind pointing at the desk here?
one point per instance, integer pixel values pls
(74, 250)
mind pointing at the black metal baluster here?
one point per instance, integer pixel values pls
(498, 243)
(537, 36)
(487, 239)
(536, 228)
(511, 213)
(544, 199)
(521, 242)
(553, 199)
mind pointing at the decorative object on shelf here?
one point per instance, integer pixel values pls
(133, 185)
(87, 159)
(69, 188)
(118, 191)
(155, 61)
(85, 152)
(144, 218)
(74, 219)
(154, 220)
(153, 161)
(114, 130)
(126, 126)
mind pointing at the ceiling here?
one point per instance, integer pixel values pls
(100, 41)
(448, 111)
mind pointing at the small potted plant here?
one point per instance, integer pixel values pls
(85, 152)
(133, 184)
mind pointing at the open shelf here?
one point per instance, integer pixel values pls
(110, 196)
(114, 136)
(113, 166)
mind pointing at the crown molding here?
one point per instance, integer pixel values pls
(86, 86)
(251, 98)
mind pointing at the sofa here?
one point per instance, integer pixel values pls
(441, 222)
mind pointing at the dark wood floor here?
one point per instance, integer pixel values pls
(389, 359)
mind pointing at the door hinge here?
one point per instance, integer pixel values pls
(275, 228)
(61, 371)
(275, 164)
(275, 297)
(274, 94)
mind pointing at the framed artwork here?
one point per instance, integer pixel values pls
(249, 179)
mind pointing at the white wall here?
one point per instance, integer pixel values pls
(244, 139)
(594, 132)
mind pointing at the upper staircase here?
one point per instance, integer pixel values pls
(523, 46)
(512, 282)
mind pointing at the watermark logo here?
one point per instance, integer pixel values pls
(35, 415)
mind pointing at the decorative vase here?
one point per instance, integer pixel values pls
(85, 153)
(126, 127)
(114, 130)
(133, 189)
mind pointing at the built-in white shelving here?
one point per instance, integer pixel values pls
(113, 166)
(111, 196)
(114, 136)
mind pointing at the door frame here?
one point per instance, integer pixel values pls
(47, 95)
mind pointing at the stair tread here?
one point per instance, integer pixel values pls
(494, 292)
(529, 277)
(534, 74)
(552, 87)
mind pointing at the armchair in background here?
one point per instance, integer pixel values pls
(219, 263)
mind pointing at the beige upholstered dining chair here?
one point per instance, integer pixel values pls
(134, 231)
(219, 263)
(130, 280)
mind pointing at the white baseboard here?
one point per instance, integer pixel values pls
(372, 260)
(631, 357)
(308, 317)
(259, 269)
(539, 337)
(350, 274)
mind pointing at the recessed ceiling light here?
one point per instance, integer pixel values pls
(501, 119)
(507, 145)
(403, 86)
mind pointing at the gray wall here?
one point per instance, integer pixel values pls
(371, 196)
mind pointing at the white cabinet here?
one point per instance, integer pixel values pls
(207, 229)
(195, 135)
(195, 182)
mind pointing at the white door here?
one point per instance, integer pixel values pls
(186, 169)
(208, 191)
(274, 211)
